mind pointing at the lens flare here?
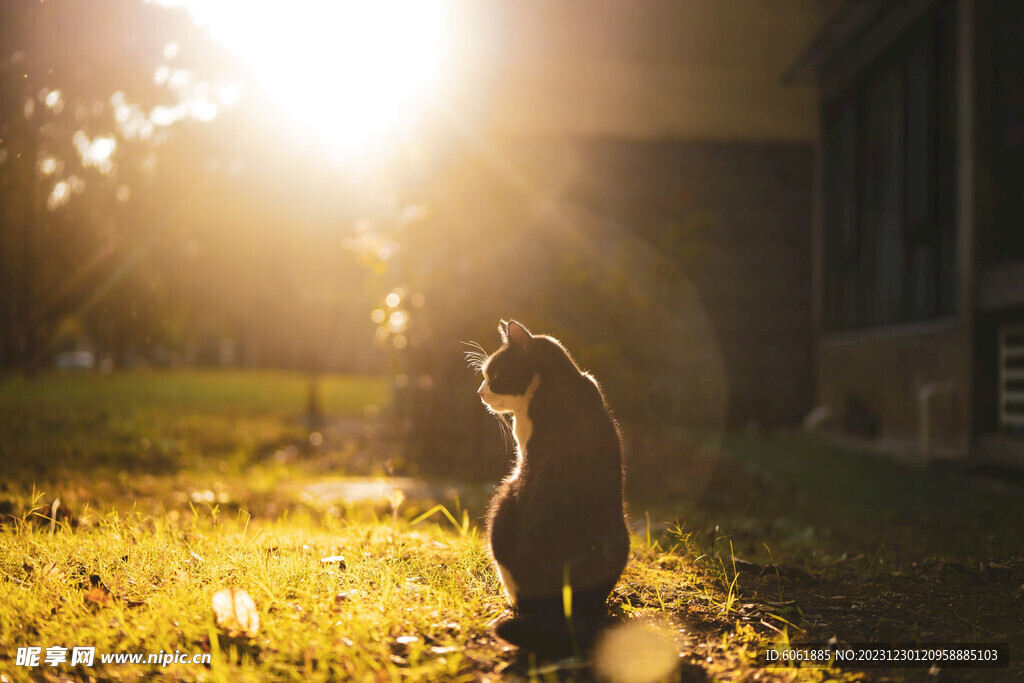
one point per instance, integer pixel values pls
(635, 652)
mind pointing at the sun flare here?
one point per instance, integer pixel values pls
(350, 71)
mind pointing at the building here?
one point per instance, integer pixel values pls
(918, 248)
(673, 123)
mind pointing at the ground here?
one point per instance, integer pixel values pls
(129, 501)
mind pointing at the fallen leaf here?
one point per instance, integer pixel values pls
(50, 570)
(99, 595)
(235, 612)
(451, 627)
(332, 559)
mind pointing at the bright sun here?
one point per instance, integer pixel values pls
(350, 70)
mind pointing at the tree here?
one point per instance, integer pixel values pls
(90, 90)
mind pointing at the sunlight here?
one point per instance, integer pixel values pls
(351, 71)
(95, 152)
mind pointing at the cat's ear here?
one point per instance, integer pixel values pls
(517, 334)
(503, 331)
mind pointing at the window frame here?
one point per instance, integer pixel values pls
(856, 271)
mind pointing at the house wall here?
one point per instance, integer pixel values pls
(653, 70)
(656, 262)
(735, 218)
(876, 380)
(883, 378)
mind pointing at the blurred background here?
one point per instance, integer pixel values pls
(722, 209)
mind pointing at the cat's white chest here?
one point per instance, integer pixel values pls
(522, 426)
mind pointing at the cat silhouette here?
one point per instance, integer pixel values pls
(556, 524)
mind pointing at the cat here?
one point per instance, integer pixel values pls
(559, 518)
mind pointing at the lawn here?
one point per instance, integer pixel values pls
(130, 501)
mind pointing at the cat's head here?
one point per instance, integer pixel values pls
(510, 371)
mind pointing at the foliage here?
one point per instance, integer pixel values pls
(80, 134)
(142, 202)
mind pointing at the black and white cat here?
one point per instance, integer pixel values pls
(558, 519)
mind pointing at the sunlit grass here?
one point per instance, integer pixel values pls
(400, 597)
(401, 603)
(104, 427)
(130, 500)
(196, 391)
(165, 487)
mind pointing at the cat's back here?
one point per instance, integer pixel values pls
(572, 425)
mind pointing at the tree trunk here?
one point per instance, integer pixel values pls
(314, 410)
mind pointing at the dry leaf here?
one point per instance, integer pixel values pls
(99, 595)
(332, 559)
(50, 570)
(235, 612)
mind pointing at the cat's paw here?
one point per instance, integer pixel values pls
(543, 639)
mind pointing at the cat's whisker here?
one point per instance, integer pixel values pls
(476, 346)
(506, 429)
(475, 359)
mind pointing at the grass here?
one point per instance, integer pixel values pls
(191, 391)
(130, 500)
(386, 609)
(913, 511)
(63, 426)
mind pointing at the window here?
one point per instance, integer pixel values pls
(1009, 130)
(888, 240)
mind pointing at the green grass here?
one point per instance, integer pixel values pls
(57, 427)
(318, 620)
(129, 500)
(839, 499)
(192, 391)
